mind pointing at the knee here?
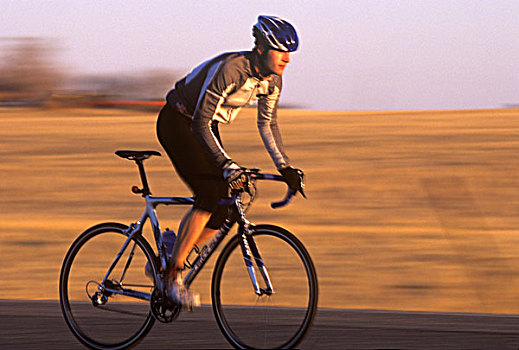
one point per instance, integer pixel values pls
(218, 217)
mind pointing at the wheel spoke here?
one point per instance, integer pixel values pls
(267, 321)
(109, 315)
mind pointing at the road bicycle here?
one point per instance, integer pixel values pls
(259, 300)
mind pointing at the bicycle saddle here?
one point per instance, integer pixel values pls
(137, 155)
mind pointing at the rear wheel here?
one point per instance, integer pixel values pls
(114, 314)
(273, 320)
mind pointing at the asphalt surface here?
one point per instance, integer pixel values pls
(39, 325)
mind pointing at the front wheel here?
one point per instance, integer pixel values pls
(277, 319)
(112, 312)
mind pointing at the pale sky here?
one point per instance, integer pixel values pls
(354, 55)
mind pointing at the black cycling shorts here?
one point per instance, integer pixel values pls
(193, 164)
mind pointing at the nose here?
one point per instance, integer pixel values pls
(286, 57)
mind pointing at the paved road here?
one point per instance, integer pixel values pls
(39, 325)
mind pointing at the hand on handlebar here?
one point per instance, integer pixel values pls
(236, 177)
(241, 178)
(294, 178)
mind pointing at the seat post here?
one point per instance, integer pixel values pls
(145, 187)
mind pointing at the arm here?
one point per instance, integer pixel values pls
(220, 80)
(269, 129)
(202, 129)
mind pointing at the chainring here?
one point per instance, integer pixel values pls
(162, 309)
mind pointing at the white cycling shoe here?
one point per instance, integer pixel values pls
(179, 294)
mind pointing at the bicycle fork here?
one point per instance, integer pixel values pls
(250, 251)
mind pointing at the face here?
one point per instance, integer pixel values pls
(276, 61)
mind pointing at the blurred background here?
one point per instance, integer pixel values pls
(403, 114)
(353, 55)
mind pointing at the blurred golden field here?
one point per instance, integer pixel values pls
(405, 210)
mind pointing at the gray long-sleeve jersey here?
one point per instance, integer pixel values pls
(217, 89)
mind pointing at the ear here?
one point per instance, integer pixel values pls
(261, 48)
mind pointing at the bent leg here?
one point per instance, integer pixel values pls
(207, 232)
(191, 231)
(199, 172)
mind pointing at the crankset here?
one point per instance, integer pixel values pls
(162, 309)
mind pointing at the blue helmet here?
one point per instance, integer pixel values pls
(278, 34)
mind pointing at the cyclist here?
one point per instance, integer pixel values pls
(187, 128)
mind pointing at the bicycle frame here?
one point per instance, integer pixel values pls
(136, 229)
(249, 248)
(248, 245)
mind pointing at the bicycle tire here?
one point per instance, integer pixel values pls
(287, 325)
(87, 260)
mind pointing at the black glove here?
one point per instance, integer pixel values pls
(235, 176)
(293, 177)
